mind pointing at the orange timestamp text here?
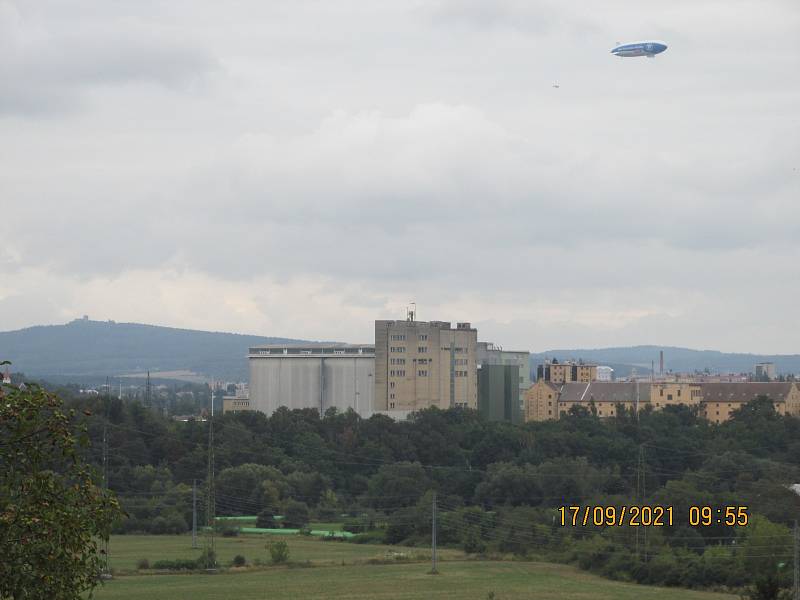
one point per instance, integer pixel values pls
(652, 516)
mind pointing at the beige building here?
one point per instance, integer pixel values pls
(673, 393)
(422, 364)
(541, 401)
(720, 400)
(234, 404)
(715, 401)
(566, 372)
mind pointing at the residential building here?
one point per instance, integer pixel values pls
(541, 401)
(713, 401)
(666, 393)
(498, 392)
(422, 364)
(720, 400)
(566, 372)
(488, 353)
(603, 397)
(320, 376)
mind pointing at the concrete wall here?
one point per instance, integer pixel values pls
(319, 382)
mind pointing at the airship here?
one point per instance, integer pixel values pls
(647, 48)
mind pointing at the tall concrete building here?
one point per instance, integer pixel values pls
(488, 353)
(320, 376)
(422, 364)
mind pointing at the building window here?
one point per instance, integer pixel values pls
(398, 337)
(391, 396)
(679, 393)
(422, 373)
(397, 349)
(422, 349)
(661, 392)
(391, 384)
(423, 337)
(391, 404)
(669, 397)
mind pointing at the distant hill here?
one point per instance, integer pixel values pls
(675, 359)
(88, 351)
(85, 350)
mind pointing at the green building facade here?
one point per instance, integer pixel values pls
(498, 393)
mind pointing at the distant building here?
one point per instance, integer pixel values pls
(320, 376)
(541, 401)
(498, 392)
(605, 373)
(423, 364)
(235, 404)
(714, 401)
(720, 400)
(766, 372)
(566, 372)
(487, 353)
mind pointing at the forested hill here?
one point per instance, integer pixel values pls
(84, 349)
(679, 360)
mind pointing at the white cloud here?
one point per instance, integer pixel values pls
(313, 166)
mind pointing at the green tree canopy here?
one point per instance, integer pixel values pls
(52, 514)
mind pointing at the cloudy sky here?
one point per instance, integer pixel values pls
(300, 168)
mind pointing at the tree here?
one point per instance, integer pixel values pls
(52, 514)
(266, 519)
(296, 514)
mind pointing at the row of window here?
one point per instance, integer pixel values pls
(397, 361)
(397, 373)
(461, 373)
(398, 337)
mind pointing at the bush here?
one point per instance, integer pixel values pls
(225, 529)
(239, 561)
(179, 564)
(142, 563)
(370, 537)
(265, 519)
(207, 560)
(296, 514)
(279, 552)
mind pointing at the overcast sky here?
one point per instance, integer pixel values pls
(299, 168)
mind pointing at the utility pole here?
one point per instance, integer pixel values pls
(106, 568)
(796, 561)
(210, 503)
(147, 392)
(194, 513)
(433, 537)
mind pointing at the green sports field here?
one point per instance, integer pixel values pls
(345, 571)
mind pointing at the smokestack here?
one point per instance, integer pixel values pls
(661, 363)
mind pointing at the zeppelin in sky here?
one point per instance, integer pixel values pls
(648, 49)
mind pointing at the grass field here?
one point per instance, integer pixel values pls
(457, 580)
(340, 571)
(126, 550)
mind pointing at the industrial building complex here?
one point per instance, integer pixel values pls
(414, 365)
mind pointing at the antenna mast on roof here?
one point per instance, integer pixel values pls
(411, 311)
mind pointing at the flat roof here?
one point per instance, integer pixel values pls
(312, 349)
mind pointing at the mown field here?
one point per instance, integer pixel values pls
(342, 571)
(127, 550)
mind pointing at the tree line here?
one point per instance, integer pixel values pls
(498, 485)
